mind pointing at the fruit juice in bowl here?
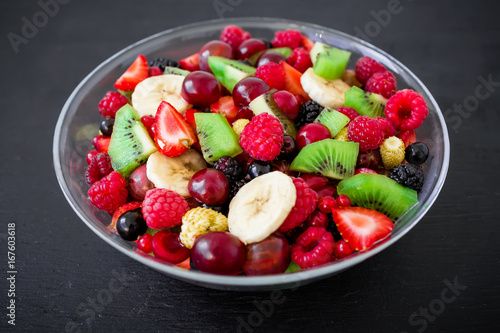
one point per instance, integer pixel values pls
(258, 156)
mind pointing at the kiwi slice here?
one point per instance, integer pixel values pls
(286, 51)
(216, 136)
(130, 144)
(175, 71)
(366, 103)
(380, 193)
(229, 72)
(266, 103)
(330, 158)
(334, 120)
(329, 62)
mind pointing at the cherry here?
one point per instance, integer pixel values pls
(167, 246)
(245, 113)
(270, 56)
(201, 88)
(209, 187)
(250, 47)
(248, 89)
(213, 48)
(145, 243)
(343, 201)
(312, 132)
(270, 256)
(326, 203)
(342, 249)
(218, 253)
(139, 183)
(287, 102)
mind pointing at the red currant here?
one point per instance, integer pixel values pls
(343, 201)
(145, 243)
(326, 203)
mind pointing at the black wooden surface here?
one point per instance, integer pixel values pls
(63, 267)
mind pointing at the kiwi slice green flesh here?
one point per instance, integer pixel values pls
(216, 137)
(175, 71)
(330, 158)
(266, 103)
(130, 144)
(366, 103)
(334, 120)
(379, 193)
(329, 62)
(228, 71)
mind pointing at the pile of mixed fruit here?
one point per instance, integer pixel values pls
(253, 157)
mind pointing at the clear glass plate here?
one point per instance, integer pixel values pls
(79, 121)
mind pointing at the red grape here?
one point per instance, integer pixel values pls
(139, 183)
(270, 256)
(248, 89)
(287, 102)
(250, 47)
(213, 48)
(201, 88)
(312, 132)
(270, 56)
(209, 186)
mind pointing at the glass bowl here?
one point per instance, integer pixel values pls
(79, 121)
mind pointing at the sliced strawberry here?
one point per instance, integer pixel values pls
(306, 43)
(292, 81)
(120, 211)
(361, 227)
(101, 143)
(190, 63)
(225, 107)
(137, 72)
(185, 264)
(173, 135)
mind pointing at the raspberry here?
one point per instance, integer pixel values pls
(109, 193)
(231, 168)
(99, 167)
(163, 208)
(300, 59)
(199, 221)
(406, 110)
(314, 247)
(305, 204)
(111, 102)
(367, 132)
(287, 38)
(262, 138)
(234, 36)
(351, 113)
(382, 83)
(387, 126)
(366, 67)
(273, 74)
(392, 152)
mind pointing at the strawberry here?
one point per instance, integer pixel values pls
(306, 43)
(225, 107)
(292, 81)
(137, 72)
(190, 63)
(361, 227)
(101, 143)
(173, 135)
(189, 116)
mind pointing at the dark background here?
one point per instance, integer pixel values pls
(62, 264)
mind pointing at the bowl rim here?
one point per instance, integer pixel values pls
(279, 280)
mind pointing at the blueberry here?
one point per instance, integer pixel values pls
(417, 153)
(258, 168)
(106, 126)
(130, 225)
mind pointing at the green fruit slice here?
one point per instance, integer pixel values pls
(334, 120)
(366, 103)
(329, 62)
(229, 72)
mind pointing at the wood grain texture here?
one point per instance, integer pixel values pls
(63, 265)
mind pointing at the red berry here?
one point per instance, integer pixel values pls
(317, 219)
(137, 72)
(109, 193)
(110, 103)
(342, 249)
(312, 132)
(367, 132)
(366, 67)
(408, 137)
(305, 204)
(122, 210)
(343, 201)
(326, 204)
(145, 243)
(272, 74)
(99, 167)
(406, 110)
(382, 83)
(163, 208)
(326, 190)
(101, 143)
(387, 126)
(287, 38)
(351, 113)
(234, 36)
(300, 59)
(148, 122)
(155, 71)
(363, 170)
(314, 247)
(314, 181)
(90, 155)
(262, 137)
(167, 246)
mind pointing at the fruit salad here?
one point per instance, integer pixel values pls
(255, 157)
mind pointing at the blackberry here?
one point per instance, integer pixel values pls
(235, 187)
(161, 63)
(409, 175)
(230, 167)
(308, 112)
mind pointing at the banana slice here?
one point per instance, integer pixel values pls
(149, 93)
(174, 173)
(326, 93)
(260, 207)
